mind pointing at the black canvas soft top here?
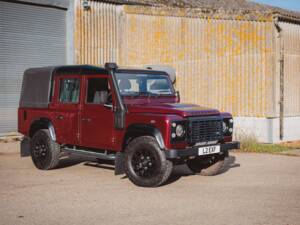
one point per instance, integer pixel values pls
(37, 82)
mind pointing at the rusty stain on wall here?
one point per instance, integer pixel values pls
(220, 63)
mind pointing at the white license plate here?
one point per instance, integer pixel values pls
(209, 150)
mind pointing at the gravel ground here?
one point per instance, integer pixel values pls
(254, 189)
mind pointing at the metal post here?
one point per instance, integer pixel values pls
(281, 79)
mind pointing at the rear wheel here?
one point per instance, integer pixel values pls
(145, 163)
(44, 151)
(207, 165)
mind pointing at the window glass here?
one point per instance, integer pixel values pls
(144, 84)
(69, 90)
(98, 91)
(159, 86)
(52, 90)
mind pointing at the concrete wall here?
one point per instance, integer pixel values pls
(266, 130)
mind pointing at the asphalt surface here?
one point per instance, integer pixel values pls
(254, 189)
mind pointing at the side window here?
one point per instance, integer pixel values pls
(69, 90)
(98, 91)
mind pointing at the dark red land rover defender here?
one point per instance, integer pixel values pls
(130, 116)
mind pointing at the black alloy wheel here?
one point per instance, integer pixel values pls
(44, 151)
(145, 163)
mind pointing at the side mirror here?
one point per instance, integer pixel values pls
(177, 94)
(104, 100)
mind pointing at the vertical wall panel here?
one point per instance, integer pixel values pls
(96, 35)
(291, 42)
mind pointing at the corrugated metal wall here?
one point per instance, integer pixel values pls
(30, 36)
(97, 32)
(291, 42)
(226, 64)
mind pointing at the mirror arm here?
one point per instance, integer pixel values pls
(177, 94)
(108, 106)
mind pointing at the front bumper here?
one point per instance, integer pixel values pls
(193, 151)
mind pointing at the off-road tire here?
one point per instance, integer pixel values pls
(161, 167)
(44, 151)
(207, 165)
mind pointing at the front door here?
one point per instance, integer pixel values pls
(96, 117)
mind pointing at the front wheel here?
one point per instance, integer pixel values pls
(207, 165)
(145, 163)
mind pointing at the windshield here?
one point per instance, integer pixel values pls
(135, 84)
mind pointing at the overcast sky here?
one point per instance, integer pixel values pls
(287, 4)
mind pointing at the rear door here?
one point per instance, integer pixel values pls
(66, 108)
(96, 117)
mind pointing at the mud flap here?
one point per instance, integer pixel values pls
(25, 147)
(226, 154)
(120, 163)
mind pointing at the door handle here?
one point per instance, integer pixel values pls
(60, 117)
(86, 119)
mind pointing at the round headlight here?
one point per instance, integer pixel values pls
(225, 127)
(179, 130)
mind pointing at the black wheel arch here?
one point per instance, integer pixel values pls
(42, 123)
(138, 130)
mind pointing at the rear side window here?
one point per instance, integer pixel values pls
(69, 90)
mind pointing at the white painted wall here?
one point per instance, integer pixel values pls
(266, 130)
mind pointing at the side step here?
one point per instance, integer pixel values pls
(99, 155)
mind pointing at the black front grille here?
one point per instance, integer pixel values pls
(204, 129)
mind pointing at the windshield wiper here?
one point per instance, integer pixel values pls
(163, 93)
(139, 93)
(130, 93)
(148, 94)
